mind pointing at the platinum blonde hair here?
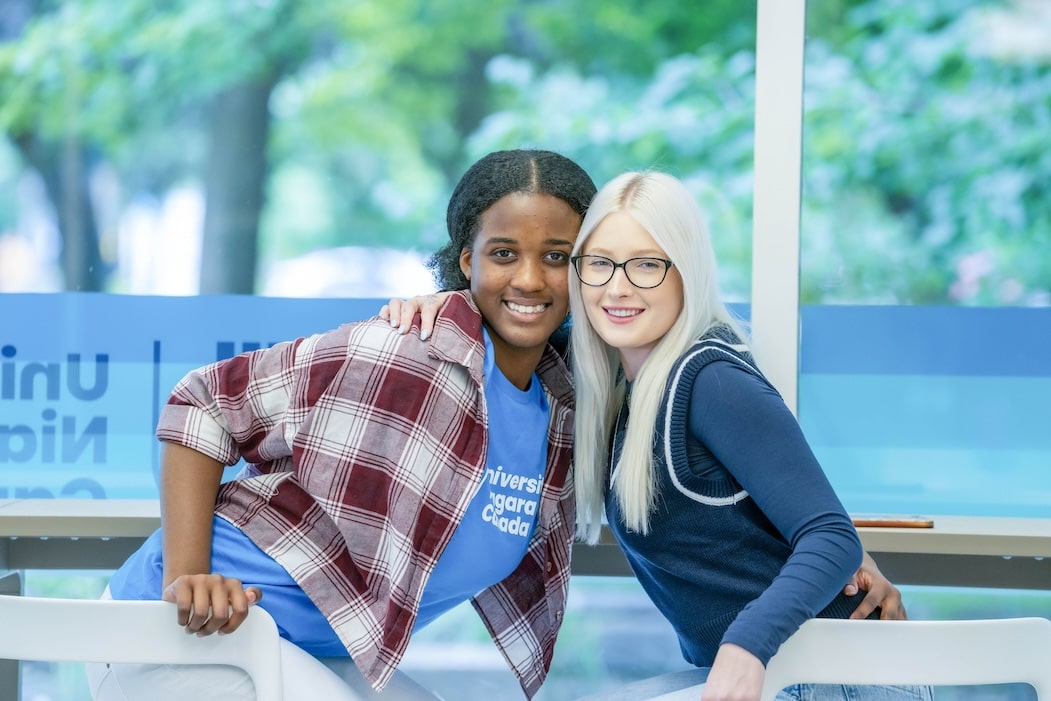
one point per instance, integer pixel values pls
(663, 206)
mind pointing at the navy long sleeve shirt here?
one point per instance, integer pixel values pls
(748, 539)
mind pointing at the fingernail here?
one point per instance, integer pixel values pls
(393, 323)
(424, 335)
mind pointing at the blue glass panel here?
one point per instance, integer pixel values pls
(83, 377)
(930, 410)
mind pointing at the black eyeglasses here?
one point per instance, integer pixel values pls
(644, 273)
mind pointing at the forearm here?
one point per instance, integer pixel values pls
(739, 418)
(189, 486)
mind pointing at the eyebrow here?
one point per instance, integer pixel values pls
(548, 242)
(642, 253)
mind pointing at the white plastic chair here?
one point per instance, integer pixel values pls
(934, 653)
(94, 630)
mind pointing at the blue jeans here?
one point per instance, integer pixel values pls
(836, 692)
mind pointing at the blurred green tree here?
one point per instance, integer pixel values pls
(927, 177)
(371, 98)
(315, 125)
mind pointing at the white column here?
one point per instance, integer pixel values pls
(780, 38)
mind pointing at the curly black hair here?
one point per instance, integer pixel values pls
(498, 174)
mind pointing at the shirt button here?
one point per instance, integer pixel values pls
(550, 566)
(558, 615)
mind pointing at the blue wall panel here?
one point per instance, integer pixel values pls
(928, 410)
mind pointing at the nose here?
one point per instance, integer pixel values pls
(619, 283)
(529, 275)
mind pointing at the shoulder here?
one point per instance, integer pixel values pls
(719, 367)
(719, 349)
(457, 334)
(459, 312)
(726, 383)
(371, 345)
(457, 328)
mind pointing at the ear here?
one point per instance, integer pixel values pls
(465, 263)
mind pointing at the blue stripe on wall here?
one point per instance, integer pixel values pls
(1002, 341)
(928, 409)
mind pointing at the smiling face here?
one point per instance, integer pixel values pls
(518, 267)
(630, 319)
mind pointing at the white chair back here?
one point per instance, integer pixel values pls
(93, 630)
(930, 653)
(936, 653)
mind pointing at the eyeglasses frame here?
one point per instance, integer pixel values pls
(622, 265)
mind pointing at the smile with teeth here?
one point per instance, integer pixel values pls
(623, 313)
(523, 309)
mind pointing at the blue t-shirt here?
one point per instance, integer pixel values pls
(499, 523)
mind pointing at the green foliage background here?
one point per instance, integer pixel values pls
(926, 167)
(926, 164)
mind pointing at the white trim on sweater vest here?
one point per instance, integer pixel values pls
(702, 498)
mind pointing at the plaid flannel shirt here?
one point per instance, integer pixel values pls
(371, 445)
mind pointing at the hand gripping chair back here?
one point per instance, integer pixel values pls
(145, 632)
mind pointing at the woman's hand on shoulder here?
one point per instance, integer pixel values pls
(399, 312)
(210, 603)
(736, 675)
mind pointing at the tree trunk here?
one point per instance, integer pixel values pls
(64, 169)
(65, 174)
(235, 176)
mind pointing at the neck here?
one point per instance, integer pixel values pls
(631, 362)
(517, 365)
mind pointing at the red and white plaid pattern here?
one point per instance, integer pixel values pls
(370, 445)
